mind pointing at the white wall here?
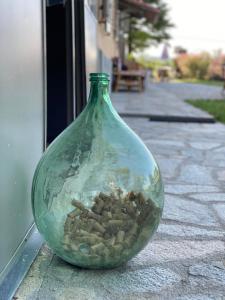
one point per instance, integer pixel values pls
(21, 118)
(90, 43)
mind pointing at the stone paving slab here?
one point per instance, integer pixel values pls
(162, 99)
(186, 258)
(183, 210)
(193, 91)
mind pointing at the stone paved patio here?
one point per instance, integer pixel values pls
(165, 99)
(186, 258)
(193, 91)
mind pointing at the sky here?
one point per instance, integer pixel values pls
(199, 26)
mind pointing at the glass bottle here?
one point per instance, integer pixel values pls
(97, 192)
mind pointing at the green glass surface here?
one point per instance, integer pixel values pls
(97, 192)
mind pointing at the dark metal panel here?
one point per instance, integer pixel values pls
(80, 65)
(21, 119)
(60, 68)
(69, 60)
(54, 2)
(44, 72)
(56, 71)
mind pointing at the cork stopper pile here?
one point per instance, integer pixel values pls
(110, 227)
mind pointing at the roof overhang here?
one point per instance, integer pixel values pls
(139, 9)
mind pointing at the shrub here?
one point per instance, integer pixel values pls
(180, 63)
(198, 65)
(216, 67)
(193, 66)
(153, 64)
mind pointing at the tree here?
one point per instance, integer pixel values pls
(142, 34)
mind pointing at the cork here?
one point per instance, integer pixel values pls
(111, 227)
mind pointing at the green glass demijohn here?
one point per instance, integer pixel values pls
(97, 192)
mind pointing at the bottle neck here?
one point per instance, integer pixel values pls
(99, 91)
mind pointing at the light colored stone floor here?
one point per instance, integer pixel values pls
(185, 260)
(193, 91)
(165, 99)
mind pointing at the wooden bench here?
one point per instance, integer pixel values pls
(129, 79)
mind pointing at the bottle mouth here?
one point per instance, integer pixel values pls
(99, 77)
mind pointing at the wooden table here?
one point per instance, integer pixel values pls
(129, 79)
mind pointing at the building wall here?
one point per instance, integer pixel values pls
(107, 29)
(101, 35)
(91, 47)
(106, 42)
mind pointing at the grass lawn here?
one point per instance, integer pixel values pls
(199, 81)
(214, 107)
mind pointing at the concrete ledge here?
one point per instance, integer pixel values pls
(174, 118)
(20, 263)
